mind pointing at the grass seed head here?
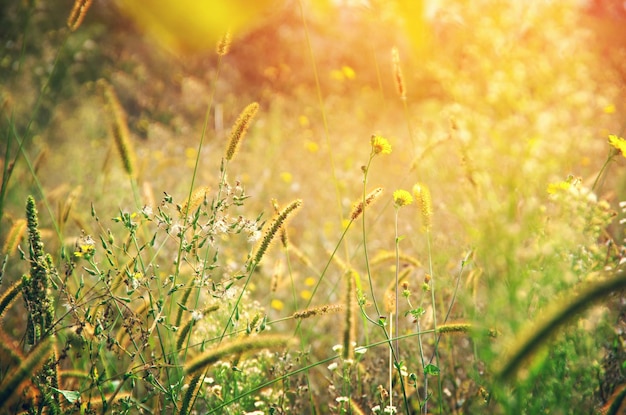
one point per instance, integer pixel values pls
(274, 227)
(240, 129)
(223, 45)
(424, 203)
(370, 198)
(397, 73)
(77, 15)
(119, 127)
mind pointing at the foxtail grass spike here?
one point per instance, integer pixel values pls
(349, 334)
(615, 403)
(190, 395)
(240, 129)
(390, 256)
(283, 232)
(397, 73)
(277, 223)
(197, 197)
(237, 346)
(318, 311)
(355, 408)
(16, 233)
(223, 45)
(13, 381)
(9, 296)
(184, 332)
(119, 127)
(77, 15)
(370, 198)
(10, 349)
(561, 314)
(424, 203)
(454, 328)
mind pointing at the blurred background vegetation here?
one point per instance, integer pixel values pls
(503, 99)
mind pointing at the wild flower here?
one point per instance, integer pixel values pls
(254, 235)
(85, 247)
(389, 409)
(380, 145)
(402, 198)
(360, 350)
(619, 143)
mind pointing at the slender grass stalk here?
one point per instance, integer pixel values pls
(322, 108)
(401, 89)
(222, 48)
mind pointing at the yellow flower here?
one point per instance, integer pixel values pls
(402, 198)
(554, 188)
(277, 304)
(619, 143)
(380, 145)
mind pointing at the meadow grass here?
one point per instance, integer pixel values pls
(336, 250)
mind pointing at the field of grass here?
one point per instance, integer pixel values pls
(312, 207)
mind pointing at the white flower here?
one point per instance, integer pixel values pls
(332, 366)
(390, 409)
(221, 225)
(147, 210)
(341, 399)
(360, 350)
(337, 348)
(254, 236)
(196, 315)
(376, 409)
(209, 380)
